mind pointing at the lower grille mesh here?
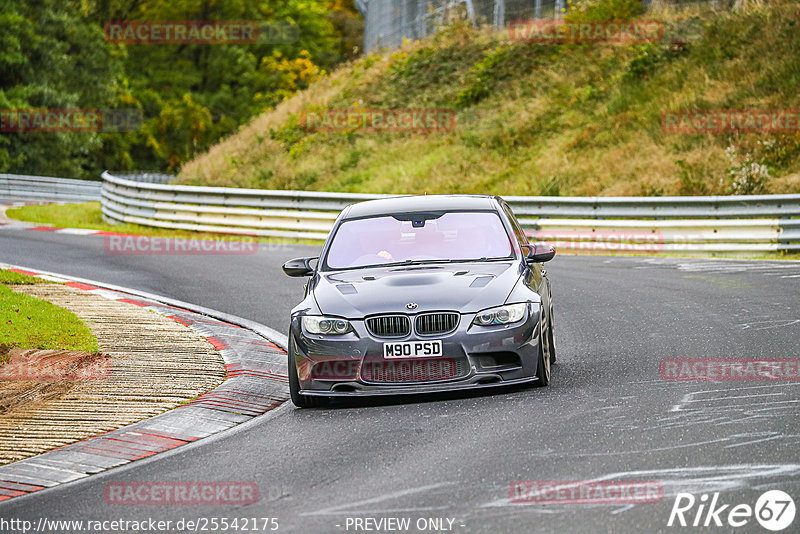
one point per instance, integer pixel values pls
(418, 370)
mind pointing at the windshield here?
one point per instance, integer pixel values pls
(456, 236)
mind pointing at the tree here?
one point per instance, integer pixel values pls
(51, 58)
(53, 54)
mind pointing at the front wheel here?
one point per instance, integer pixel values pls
(551, 340)
(543, 364)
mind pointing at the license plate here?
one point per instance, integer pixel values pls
(412, 349)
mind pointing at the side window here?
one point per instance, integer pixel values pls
(521, 237)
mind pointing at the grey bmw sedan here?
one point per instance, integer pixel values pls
(421, 294)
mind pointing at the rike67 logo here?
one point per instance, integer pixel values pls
(774, 510)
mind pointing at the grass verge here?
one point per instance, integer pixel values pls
(28, 322)
(10, 278)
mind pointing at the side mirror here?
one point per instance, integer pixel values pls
(299, 267)
(540, 253)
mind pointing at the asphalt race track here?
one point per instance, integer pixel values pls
(608, 414)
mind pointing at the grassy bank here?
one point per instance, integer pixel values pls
(541, 119)
(28, 322)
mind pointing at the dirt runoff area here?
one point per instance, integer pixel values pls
(30, 377)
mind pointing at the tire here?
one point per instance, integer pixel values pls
(543, 365)
(301, 401)
(551, 340)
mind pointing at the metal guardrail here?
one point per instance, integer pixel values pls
(147, 177)
(18, 186)
(720, 224)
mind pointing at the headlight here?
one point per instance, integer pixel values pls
(510, 313)
(315, 324)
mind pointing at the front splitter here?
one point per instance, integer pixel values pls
(371, 390)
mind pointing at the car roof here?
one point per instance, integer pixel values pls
(418, 203)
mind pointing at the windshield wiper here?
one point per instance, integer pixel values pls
(496, 258)
(420, 262)
(469, 260)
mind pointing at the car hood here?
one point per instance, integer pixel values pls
(465, 287)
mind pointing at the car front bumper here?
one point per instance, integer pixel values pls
(352, 365)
